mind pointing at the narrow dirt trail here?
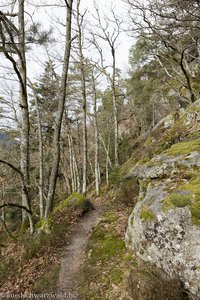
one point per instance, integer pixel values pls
(74, 254)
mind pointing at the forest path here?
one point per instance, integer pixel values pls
(74, 254)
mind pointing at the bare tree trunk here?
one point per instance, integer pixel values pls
(115, 110)
(67, 180)
(41, 154)
(96, 136)
(106, 148)
(84, 98)
(110, 36)
(25, 126)
(61, 105)
(77, 177)
(107, 161)
(71, 164)
(41, 163)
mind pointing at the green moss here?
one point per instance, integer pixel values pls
(180, 200)
(108, 258)
(76, 199)
(195, 211)
(109, 217)
(176, 200)
(145, 160)
(193, 186)
(105, 244)
(146, 214)
(184, 147)
(193, 109)
(167, 205)
(44, 223)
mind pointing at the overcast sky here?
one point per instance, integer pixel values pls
(44, 15)
(48, 17)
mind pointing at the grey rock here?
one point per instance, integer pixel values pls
(169, 121)
(169, 239)
(171, 242)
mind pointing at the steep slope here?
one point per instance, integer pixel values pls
(164, 225)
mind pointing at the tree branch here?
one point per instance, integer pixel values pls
(17, 206)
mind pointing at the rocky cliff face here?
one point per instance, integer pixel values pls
(164, 227)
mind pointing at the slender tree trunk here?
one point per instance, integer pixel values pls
(84, 188)
(25, 126)
(41, 161)
(115, 110)
(67, 180)
(84, 98)
(71, 164)
(187, 77)
(106, 149)
(41, 153)
(96, 137)
(77, 177)
(61, 105)
(107, 161)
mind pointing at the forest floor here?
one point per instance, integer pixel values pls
(47, 266)
(73, 255)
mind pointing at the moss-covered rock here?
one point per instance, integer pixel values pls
(76, 200)
(165, 222)
(146, 214)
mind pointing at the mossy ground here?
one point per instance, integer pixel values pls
(108, 259)
(185, 147)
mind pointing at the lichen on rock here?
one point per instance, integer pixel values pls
(164, 225)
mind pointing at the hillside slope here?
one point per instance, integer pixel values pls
(161, 180)
(164, 226)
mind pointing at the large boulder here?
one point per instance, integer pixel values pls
(164, 227)
(166, 237)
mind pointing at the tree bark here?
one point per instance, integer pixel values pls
(41, 153)
(61, 106)
(96, 136)
(115, 110)
(84, 99)
(25, 126)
